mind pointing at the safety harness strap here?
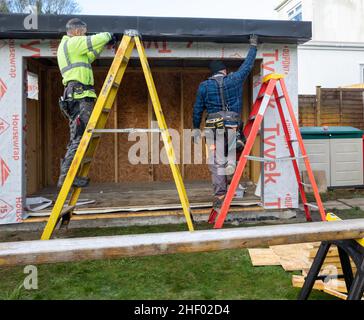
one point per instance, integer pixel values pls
(219, 78)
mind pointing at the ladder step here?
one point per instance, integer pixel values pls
(311, 205)
(260, 159)
(125, 59)
(281, 97)
(127, 130)
(96, 136)
(252, 118)
(106, 110)
(116, 85)
(86, 160)
(66, 210)
(306, 184)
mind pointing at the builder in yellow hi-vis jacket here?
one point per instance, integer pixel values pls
(75, 54)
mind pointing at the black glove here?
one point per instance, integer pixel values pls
(196, 134)
(114, 39)
(253, 40)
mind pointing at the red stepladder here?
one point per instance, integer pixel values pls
(268, 91)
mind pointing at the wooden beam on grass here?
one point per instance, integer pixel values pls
(111, 247)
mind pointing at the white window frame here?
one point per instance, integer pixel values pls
(295, 11)
(361, 72)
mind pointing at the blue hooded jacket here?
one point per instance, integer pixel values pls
(208, 96)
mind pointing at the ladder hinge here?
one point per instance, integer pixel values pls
(131, 33)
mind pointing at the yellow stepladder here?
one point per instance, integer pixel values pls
(81, 163)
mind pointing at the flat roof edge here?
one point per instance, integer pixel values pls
(164, 28)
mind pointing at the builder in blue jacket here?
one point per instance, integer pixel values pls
(222, 97)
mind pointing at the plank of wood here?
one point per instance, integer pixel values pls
(62, 250)
(298, 281)
(332, 284)
(293, 257)
(263, 257)
(335, 293)
(100, 210)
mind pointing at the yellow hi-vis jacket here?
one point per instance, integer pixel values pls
(75, 55)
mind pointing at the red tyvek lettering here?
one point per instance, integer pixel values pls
(275, 130)
(274, 57)
(270, 172)
(286, 60)
(30, 46)
(270, 177)
(288, 201)
(161, 49)
(276, 204)
(3, 126)
(4, 172)
(19, 209)
(272, 103)
(3, 89)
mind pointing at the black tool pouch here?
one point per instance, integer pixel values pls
(64, 107)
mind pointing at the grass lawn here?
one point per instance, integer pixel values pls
(217, 275)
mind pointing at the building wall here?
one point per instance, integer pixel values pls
(329, 66)
(338, 20)
(280, 188)
(335, 56)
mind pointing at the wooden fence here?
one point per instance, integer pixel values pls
(332, 107)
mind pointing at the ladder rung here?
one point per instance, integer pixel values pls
(125, 59)
(116, 85)
(96, 136)
(273, 160)
(311, 205)
(128, 130)
(66, 210)
(106, 110)
(252, 118)
(306, 184)
(281, 97)
(86, 160)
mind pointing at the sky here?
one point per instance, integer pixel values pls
(234, 9)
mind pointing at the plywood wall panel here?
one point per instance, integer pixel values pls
(59, 123)
(168, 86)
(191, 82)
(102, 168)
(132, 104)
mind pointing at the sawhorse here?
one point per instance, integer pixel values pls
(347, 249)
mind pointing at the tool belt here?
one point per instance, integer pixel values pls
(223, 119)
(226, 120)
(69, 106)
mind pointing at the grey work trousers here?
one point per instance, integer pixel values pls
(77, 128)
(221, 151)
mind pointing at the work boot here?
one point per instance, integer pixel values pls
(81, 182)
(216, 206)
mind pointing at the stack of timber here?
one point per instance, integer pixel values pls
(299, 257)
